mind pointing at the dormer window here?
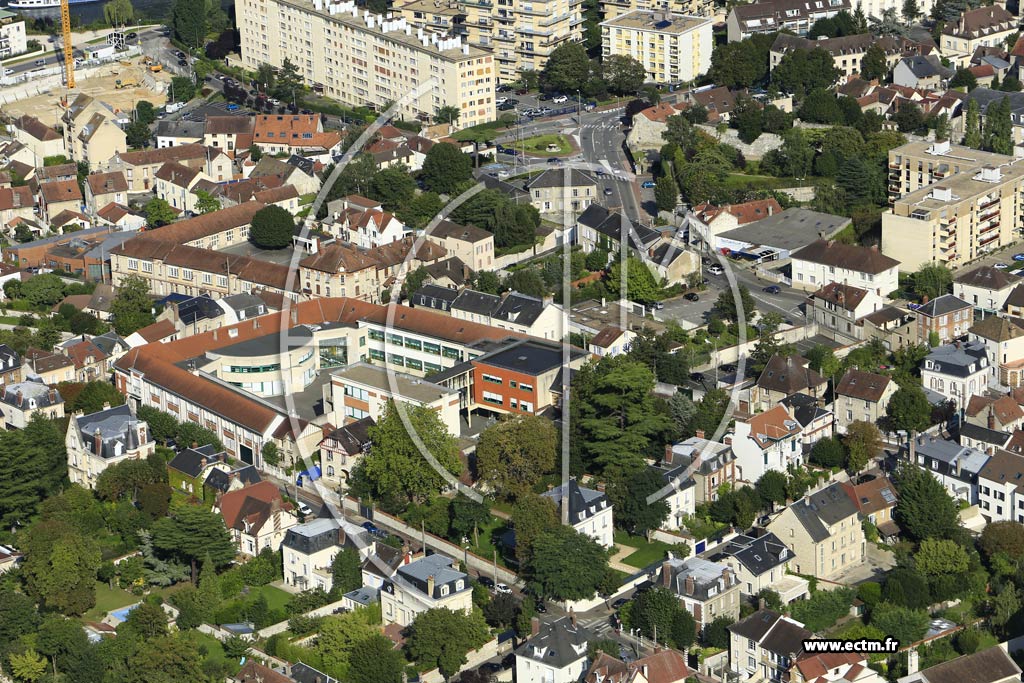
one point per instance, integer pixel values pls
(459, 585)
(444, 591)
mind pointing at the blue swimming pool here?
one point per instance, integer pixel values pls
(122, 613)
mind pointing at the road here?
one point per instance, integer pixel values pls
(153, 43)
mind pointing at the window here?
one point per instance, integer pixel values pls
(491, 397)
(492, 379)
(186, 274)
(133, 264)
(526, 387)
(172, 271)
(207, 279)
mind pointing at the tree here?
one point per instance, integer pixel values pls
(748, 119)
(873, 64)
(289, 82)
(420, 210)
(709, 413)
(28, 666)
(727, 309)
(339, 634)
(909, 118)
(43, 289)
(963, 78)
(624, 74)
(118, 12)
(191, 533)
(447, 114)
(84, 323)
(666, 193)
(972, 125)
(515, 453)
(911, 11)
(501, 611)
(346, 570)
(272, 228)
(658, 614)
(716, 634)
(828, 452)
(440, 638)
(445, 168)
(772, 488)
(614, 416)
(393, 187)
(924, 509)
(188, 19)
(183, 88)
(565, 564)
(863, 444)
(1004, 605)
(999, 537)
(801, 71)
(742, 64)
(206, 202)
(932, 280)
(30, 459)
(823, 360)
(396, 465)
(567, 68)
(132, 308)
(940, 556)
(998, 132)
(375, 660)
(137, 134)
(629, 493)
(909, 409)
(467, 516)
(640, 283)
(902, 623)
(147, 620)
(158, 212)
(532, 516)
(60, 566)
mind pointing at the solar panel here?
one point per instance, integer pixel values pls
(888, 495)
(662, 24)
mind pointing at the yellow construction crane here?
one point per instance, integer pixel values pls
(69, 55)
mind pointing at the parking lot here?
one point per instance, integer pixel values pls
(690, 314)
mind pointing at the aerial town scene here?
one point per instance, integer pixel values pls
(511, 341)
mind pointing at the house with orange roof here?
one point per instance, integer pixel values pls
(875, 497)
(59, 195)
(91, 362)
(833, 667)
(649, 124)
(120, 216)
(104, 188)
(295, 134)
(766, 441)
(1000, 414)
(711, 220)
(664, 666)
(38, 137)
(363, 222)
(257, 517)
(16, 202)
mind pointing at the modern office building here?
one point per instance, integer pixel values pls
(362, 59)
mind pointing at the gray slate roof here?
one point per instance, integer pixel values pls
(757, 554)
(558, 644)
(191, 461)
(114, 425)
(943, 305)
(793, 228)
(324, 533)
(956, 359)
(583, 503)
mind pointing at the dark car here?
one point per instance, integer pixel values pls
(727, 368)
(504, 88)
(554, 160)
(182, 62)
(697, 376)
(179, 54)
(371, 527)
(609, 191)
(132, 36)
(772, 289)
(486, 581)
(540, 607)
(545, 96)
(490, 667)
(506, 106)
(522, 91)
(690, 296)
(619, 603)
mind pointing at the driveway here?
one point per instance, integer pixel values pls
(876, 565)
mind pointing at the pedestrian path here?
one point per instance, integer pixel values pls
(621, 553)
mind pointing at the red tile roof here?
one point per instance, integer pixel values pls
(772, 425)
(248, 508)
(208, 224)
(60, 191)
(103, 183)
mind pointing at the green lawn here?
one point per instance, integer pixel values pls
(108, 599)
(624, 538)
(648, 554)
(276, 598)
(489, 535)
(212, 648)
(538, 145)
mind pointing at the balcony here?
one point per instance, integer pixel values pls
(990, 225)
(988, 213)
(985, 203)
(988, 239)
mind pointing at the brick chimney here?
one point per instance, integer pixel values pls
(699, 434)
(991, 418)
(666, 573)
(430, 585)
(690, 585)
(202, 462)
(97, 442)
(727, 577)
(20, 398)
(341, 535)
(52, 395)
(534, 626)
(572, 617)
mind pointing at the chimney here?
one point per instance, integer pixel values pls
(202, 462)
(534, 626)
(20, 398)
(106, 405)
(52, 395)
(727, 576)
(430, 585)
(691, 585)
(913, 662)
(572, 617)
(232, 475)
(761, 603)
(341, 535)
(97, 442)
(991, 418)
(699, 434)
(666, 574)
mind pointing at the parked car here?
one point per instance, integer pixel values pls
(727, 368)
(522, 91)
(608, 191)
(500, 100)
(1001, 266)
(691, 296)
(540, 607)
(506, 106)
(179, 54)
(132, 36)
(504, 88)
(232, 107)
(486, 581)
(772, 289)
(1018, 257)
(560, 99)
(715, 269)
(8, 72)
(599, 172)
(658, 305)
(697, 376)
(647, 184)
(304, 509)
(619, 603)
(554, 160)
(502, 589)
(182, 62)
(544, 111)
(372, 528)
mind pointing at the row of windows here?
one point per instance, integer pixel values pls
(254, 368)
(415, 344)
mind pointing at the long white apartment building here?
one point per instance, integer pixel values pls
(362, 59)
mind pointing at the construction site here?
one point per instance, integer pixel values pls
(117, 84)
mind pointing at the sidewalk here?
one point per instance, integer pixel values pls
(622, 552)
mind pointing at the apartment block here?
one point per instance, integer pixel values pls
(672, 47)
(772, 16)
(847, 51)
(696, 8)
(362, 59)
(13, 39)
(971, 210)
(522, 35)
